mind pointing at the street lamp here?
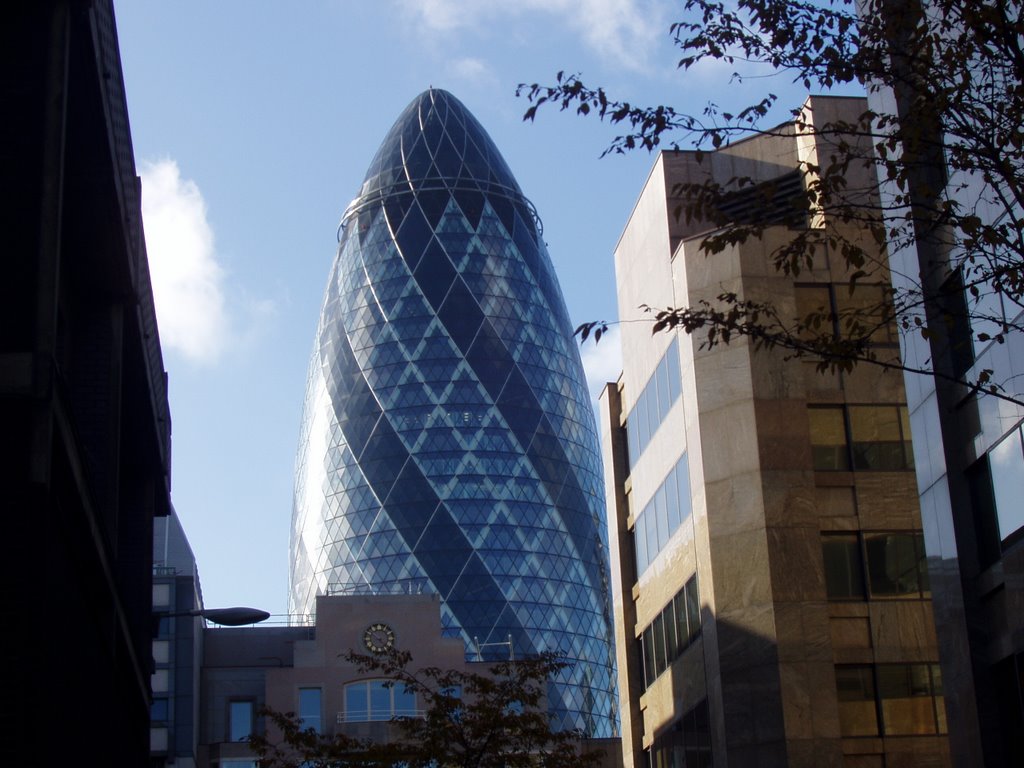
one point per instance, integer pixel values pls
(227, 617)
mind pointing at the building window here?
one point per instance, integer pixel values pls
(911, 699)
(161, 651)
(663, 515)
(825, 309)
(829, 448)
(860, 437)
(880, 437)
(159, 681)
(844, 569)
(1006, 463)
(896, 565)
(309, 709)
(158, 711)
(875, 564)
(656, 399)
(378, 700)
(161, 595)
(858, 711)
(687, 742)
(240, 717)
(673, 631)
(890, 700)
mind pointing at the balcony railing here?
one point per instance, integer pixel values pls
(367, 717)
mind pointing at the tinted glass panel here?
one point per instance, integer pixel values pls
(894, 564)
(660, 659)
(692, 608)
(650, 671)
(682, 633)
(814, 311)
(1006, 462)
(877, 438)
(309, 708)
(405, 702)
(661, 515)
(159, 710)
(640, 540)
(855, 688)
(844, 574)
(380, 701)
(906, 699)
(240, 720)
(357, 705)
(828, 439)
(866, 313)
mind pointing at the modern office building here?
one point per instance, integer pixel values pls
(970, 470)
(84, 421)
(448, 444)
(177, 647)
(772, 601)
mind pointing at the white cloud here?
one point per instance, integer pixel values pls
(622, 30)
(602, 361)
(187, 280)
(472, 70)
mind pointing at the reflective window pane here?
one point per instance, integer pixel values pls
(661, 516)
(894, 564)
(692, 608)
(844, 572)
(405, 702)
(682, 633)
(669, 624)
(380, 700)
(647, 646)
(640, 542)
(240, 720)
(357, 706)
(674, 374)
(660, 660)
(906, 699)
(855, 688)
(309, 708)
(814, 311)
(866, 313)
(876, 436)
(828, 439)
(1006, 462)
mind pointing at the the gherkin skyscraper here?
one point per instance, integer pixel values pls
(448, 443)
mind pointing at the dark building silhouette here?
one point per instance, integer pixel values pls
(448, 444)
(84, 424)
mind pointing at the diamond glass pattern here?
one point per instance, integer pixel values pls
(448, 444)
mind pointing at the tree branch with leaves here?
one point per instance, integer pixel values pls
(944, 135)
(495, 718)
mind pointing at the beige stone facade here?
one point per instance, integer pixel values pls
(795, 535)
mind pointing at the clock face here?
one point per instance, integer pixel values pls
(378, 638)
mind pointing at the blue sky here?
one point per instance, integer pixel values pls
(253, 124)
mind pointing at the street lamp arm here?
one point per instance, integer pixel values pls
(227, 617)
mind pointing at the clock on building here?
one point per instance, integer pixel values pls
(379, 638)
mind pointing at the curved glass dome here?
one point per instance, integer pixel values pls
(448, 443)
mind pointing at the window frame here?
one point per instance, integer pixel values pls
(391, 686)
(250, 705)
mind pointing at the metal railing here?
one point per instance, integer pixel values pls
(365, 717)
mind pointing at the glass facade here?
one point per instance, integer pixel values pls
(448, 443)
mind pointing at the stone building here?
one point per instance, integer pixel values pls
(771, 594)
